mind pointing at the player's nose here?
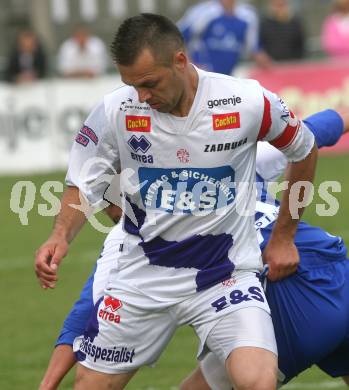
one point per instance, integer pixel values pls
(143, 95)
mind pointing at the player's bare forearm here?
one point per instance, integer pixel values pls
(281, 253)
(67, 225)
(70, 220)
(62, 360)
(293, 198)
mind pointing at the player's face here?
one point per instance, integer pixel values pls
(161, 86)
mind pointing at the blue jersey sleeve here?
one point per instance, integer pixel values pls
(74, 325)
(327, 127)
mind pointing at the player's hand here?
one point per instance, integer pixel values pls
(282, 258)
(47, 260)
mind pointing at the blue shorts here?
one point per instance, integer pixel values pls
(310, 312)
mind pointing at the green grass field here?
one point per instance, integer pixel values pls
(31, 318)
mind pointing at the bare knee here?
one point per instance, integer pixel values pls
(252, 369)
(255, 382)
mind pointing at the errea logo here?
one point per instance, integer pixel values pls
(112, 304)
(234, 100)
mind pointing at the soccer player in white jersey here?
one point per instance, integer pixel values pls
(190, 138)
(300, 345)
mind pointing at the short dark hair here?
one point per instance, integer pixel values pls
(155, 32)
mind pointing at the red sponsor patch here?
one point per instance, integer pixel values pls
(138, 123)
(226, 121)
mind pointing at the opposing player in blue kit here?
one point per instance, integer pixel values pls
(309, 309)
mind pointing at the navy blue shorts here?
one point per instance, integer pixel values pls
(311, 316)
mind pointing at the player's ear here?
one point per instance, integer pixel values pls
(180, 59)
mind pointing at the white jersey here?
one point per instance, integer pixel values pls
(190, 229)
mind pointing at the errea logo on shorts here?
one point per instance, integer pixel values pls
(138, 123)
(113, 304)
(226, 121)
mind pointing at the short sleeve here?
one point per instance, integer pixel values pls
(282, 129)
(94, 158)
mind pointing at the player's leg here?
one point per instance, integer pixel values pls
(336, 364)
(61, 361)
(63, 357)
(250, 355)
(87, 379)
(234, 317)
(121, 336)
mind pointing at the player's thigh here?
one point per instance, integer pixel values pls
(204, 310)
(245, 341)
(121, 337)
(87, 379)
(252, 368)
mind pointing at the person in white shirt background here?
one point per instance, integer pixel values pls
(82, 55)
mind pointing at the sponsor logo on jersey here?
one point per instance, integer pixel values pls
(285, 111)
(138, 123)
(183, 155)
(85, 135)
(224, 147)
(112, 304)
(89, 133)
(140, 144)
(128, 105)
(112, 354)
(226, 121)
(82, 140)
(196, 191)
(233, 101)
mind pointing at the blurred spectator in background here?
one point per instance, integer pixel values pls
(219, 32)
(335, 30)
(281, 32)
(27, 62)
(82, 55)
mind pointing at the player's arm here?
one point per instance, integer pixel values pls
(67, 225)
(281, 253)
(327, 126)
(94, 155)
(285, 132)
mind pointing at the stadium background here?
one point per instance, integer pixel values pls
(32, 143)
